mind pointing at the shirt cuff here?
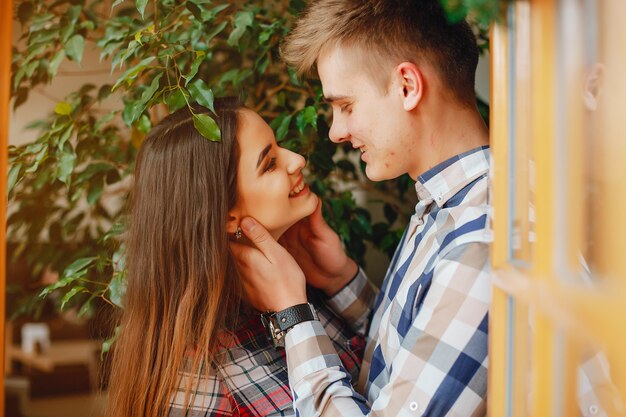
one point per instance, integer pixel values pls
(354, 301)
(309, 350)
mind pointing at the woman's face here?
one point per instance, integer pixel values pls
(270, 182)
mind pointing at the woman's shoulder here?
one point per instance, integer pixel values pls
(248, 376)
(200, 393)
(253, 371)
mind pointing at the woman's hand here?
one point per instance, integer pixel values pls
(319, 252)
(273, 281)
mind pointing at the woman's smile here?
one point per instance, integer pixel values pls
(299, 189)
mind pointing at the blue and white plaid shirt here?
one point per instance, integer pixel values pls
(426, 352)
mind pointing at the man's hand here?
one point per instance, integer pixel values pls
(272, 279)
(319, 252)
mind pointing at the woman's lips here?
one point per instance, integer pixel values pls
(299, 189)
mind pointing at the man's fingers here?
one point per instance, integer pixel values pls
(316, 220)
(243, 254)
(258, 235)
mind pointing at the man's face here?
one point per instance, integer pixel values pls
(368, 116)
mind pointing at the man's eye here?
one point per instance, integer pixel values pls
(344, 108)
(271, 165)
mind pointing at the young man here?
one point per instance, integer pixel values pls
(400, 80)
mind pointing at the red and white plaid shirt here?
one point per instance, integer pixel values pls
(251, 379)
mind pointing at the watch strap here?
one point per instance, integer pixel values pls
(293, 315)
(278, 323)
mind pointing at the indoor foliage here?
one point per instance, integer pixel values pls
(67, 188)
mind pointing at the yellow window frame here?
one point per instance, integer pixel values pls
(564, 315)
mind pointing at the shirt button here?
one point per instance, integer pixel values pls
(413, 406)
(593, 409)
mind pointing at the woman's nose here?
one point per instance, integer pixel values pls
(295, 161)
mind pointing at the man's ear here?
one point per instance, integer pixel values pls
(412, 84)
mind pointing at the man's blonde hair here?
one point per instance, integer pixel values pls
(386, 33)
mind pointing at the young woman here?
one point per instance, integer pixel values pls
(190, 343)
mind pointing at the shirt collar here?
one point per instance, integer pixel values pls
(444, 180)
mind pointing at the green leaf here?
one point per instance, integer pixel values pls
(200, 55)
(104, 92)
(308, 116)
(117, 289)
(78, 266)
(207, 127)
(243, 20)
(40, 20)
(116, 3)
(95, 190)
(63, 108)
(70, 294)
(53, 65)
(106, 345)
(59, 284)
(132, 72)
(390, 213)
(75, 47)
(73, 13)
(66, 166)
(38, 158)
(195, 10)
(14, 174)
(141, 6)
(344, 232)
(148, 93)
(44, 36)
(202, 94)
(214, 11)
(176, 100)
(20, 97)
(283, 128)
(361, 226)
(87, 308)
(132, 111)
(213, 32)
(144, 124)
(67, 133)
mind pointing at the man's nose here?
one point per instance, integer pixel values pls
(338, 129)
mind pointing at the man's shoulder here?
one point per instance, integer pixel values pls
(466, 216)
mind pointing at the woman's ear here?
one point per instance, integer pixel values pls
(233, 221)
(412, 84)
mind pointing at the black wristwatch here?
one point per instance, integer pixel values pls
(278, 323)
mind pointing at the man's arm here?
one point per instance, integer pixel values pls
(439, 367)
(354, 302)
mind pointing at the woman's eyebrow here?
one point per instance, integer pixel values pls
(263, 154)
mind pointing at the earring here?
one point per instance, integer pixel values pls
(238, 233)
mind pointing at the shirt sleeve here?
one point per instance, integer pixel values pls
(354, 302)
(438, 369)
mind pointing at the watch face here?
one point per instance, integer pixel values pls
(272, 330)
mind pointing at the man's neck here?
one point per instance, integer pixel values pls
(447, 133)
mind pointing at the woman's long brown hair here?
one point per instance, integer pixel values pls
(182, 283)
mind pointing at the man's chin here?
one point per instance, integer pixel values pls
(375, 175)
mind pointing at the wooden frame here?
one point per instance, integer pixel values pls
(533, 354)
(6, 35)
